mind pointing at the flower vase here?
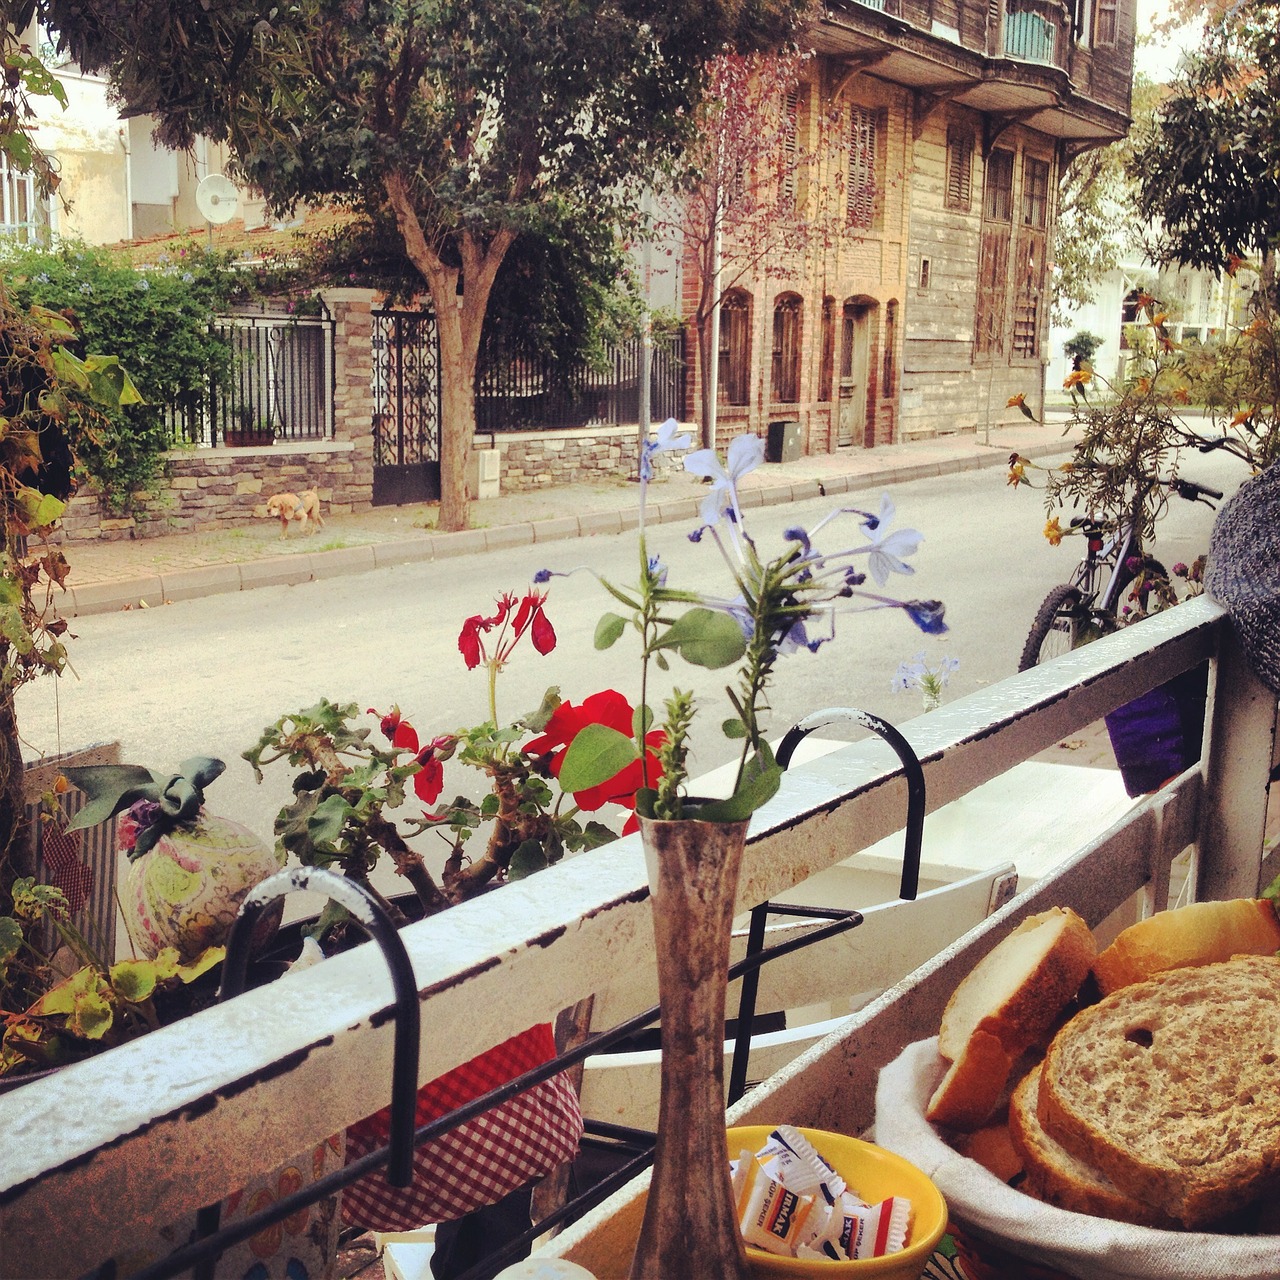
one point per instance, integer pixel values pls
(690, 1230)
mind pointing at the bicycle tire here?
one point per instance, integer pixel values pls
(1056, 627)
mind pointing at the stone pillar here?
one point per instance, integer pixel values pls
(352, 311)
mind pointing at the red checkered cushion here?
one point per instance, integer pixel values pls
(481, 1161)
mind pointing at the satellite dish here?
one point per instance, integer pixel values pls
(217, 198)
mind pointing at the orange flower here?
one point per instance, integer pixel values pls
(1242, 417)
(1182, 395)
(1053, 531)
(1159, 318)
(1077, 379)
(1017, 475)
(1234, 263)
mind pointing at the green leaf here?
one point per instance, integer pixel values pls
(326, 823)
(734, 728)
(84, 999)
(760, 782)
(596, 754)
(537, 720)
(110, 788)
(609, 629)
(10, 939)
(527, 859)
(134, 980)
(705, 638)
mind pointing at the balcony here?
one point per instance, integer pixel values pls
(107, 1148)
(1016, 60)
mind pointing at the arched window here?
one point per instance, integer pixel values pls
(828, 367)
(889, 373)
(787, 317)
(735, 348)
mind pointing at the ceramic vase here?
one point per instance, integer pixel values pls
(690, 1231)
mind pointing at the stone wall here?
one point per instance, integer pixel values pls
(225, 487)
(536, 460)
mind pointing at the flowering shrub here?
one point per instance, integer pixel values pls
(349, 787)
(777, 607)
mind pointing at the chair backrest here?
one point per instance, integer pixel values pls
(816, 987)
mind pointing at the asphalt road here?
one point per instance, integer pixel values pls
(204, 677)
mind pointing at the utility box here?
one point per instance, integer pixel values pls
(783, 444)
(484, 473)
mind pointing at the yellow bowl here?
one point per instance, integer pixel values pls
(874, 1174)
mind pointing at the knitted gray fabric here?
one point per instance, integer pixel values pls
(1243, 570)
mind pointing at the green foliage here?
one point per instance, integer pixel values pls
(26, 78)
(54, 1016)
(157, 320)
(1207, 167)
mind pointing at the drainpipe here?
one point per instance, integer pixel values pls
(122, 135)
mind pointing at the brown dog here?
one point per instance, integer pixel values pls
(303, 507)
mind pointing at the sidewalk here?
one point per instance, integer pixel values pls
(111, 576)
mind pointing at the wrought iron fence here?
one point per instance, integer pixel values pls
(529, 395)
(280, 384)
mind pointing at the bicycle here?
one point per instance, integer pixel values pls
(1089, 605)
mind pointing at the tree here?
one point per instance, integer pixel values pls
(1097, 221)
(1208, 167)
(744, 199)
(467, 121)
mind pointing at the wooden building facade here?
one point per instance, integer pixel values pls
(939, 131)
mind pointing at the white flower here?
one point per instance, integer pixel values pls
(886, 552)
(745, 454)
(666, 441)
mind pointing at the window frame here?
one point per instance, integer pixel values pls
(958, 186)
(997, 187)
(863, 154)
(788, 347)
(1035, 192)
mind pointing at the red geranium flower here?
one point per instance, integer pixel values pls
(529, 616)
(608, 708)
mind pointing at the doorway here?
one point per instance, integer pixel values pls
(853, 424)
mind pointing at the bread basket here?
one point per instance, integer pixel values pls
(1077, 1245)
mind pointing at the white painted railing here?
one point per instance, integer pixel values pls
(187, 1115)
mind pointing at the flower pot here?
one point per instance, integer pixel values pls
(1157, 736)
(238, 438)
(690, 1229)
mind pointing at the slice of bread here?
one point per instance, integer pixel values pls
(1055, 1176)
(1202, 933)
(992, 1147)
(1009, 1002)
(1171, 1088)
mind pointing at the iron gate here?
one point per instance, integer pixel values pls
(406, 408)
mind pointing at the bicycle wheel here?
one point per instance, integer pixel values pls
(1057, 627)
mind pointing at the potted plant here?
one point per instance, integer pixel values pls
(693, 845)
(253, 430)
(188, 872)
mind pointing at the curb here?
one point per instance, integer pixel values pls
(152, 589)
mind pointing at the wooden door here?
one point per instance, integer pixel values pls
(855, 364)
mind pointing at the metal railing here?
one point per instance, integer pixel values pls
(521, 394)
(161, 1106)
(279, 386)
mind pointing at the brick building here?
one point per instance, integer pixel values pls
(929, 308)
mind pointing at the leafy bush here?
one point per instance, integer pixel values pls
(1080, 347)
(157, 320)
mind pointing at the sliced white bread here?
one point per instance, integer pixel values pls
(1171, 1088)
(1202, 933)
(1009, 1002)
(1054, 1175)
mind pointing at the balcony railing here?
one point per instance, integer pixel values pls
(186, 1116)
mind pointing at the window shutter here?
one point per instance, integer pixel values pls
(860, 189)
(790, 145)
(959, 169)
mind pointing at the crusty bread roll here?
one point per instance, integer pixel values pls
(1055, 1176)
(1171, 1088)
(1202, 933)
(1008, 1003)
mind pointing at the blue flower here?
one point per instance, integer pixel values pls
(666, 440)
(745, 454)
(927, 615)
(143, 285)
(188, 278)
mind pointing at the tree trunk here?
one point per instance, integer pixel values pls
(457, 420)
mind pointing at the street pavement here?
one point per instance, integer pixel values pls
(110, 576)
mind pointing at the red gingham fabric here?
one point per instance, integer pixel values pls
(481, 1161)
(62, 860)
